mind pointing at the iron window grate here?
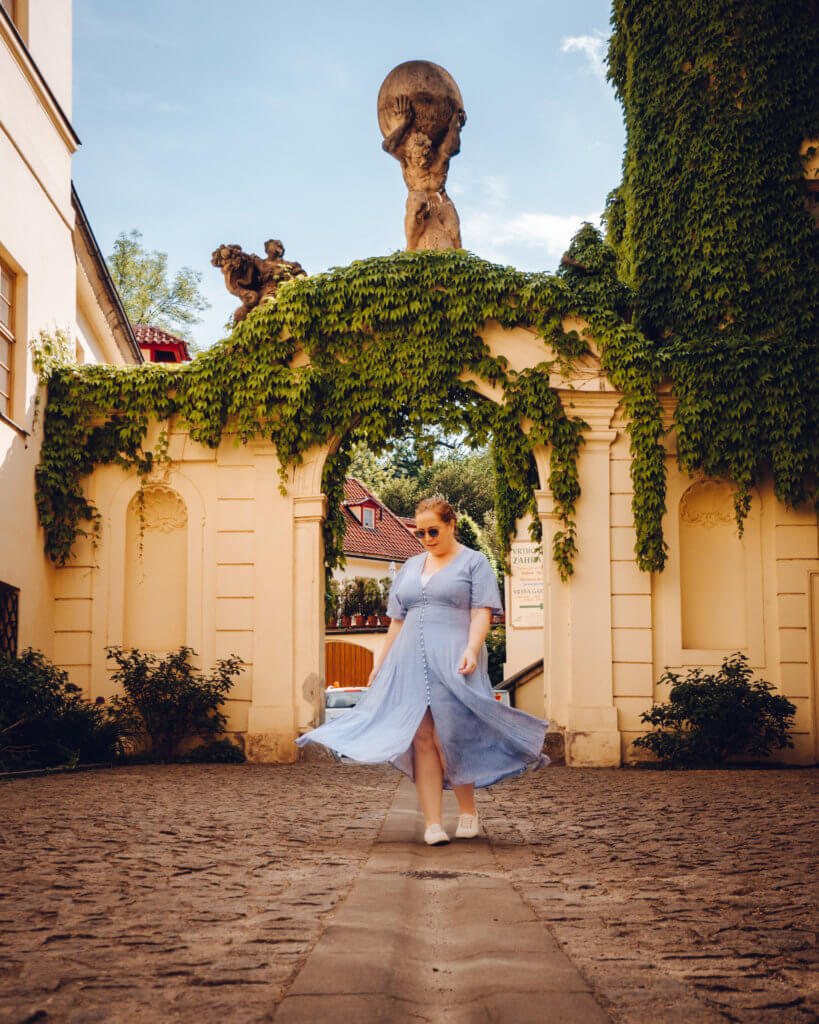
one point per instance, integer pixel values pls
(9, 618)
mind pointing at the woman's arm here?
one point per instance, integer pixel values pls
(478, 628)
(389, 639)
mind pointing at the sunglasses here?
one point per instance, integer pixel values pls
(432, 531)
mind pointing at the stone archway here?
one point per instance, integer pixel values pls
(577, 626)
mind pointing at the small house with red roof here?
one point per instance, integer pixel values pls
(160, 346)
(377, 542)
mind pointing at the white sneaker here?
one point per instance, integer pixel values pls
(467, 826)
(435, 835)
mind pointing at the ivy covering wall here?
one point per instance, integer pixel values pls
(387, 340)
(708, 282)
(711, 230)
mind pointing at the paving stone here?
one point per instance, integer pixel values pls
(174, 893)
(436, 934)
(682, 896)
(188, 893)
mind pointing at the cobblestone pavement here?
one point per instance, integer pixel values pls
(174, 893)
(681, 896)
(191, 894)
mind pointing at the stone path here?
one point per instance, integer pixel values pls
(684, 896)
(189, 894)
(436, 934)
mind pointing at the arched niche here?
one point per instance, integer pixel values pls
(156, 570)
(714, 571)
(111, 583)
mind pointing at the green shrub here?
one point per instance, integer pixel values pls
(44, 720)
(166, 699)
(372, 597)
(496, 650)
(215, 752)
(331, 600)
(711, 717)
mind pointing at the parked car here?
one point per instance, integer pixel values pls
(338, 699)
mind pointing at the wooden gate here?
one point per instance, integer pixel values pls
(347, 664)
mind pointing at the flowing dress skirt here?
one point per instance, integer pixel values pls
(483, 740)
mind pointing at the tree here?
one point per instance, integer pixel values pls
(368, 468)
(141, 278)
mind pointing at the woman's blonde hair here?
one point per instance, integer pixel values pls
(438, 504)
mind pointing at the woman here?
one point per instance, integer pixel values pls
(429, 708)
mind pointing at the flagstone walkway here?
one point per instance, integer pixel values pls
(250, 893)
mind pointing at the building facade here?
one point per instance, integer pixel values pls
(52, 279)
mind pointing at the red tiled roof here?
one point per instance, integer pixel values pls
(390, 538)
(408, 521)
(146, 334)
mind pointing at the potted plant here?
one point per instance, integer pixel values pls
(346, 602)
(358, 601)
(331, 603)
(384, 587)
(372, 599)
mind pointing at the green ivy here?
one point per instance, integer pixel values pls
(387, 340)
(712, 234)
(709, 285)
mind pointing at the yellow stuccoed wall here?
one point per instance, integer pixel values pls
(245, 575)
(50, 291)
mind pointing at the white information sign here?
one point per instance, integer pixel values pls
(526, 585)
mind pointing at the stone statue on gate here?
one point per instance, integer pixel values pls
(420, 114)
(253, 278)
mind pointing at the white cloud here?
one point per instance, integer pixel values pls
(531, 239)
(593, 49)
(497, 236)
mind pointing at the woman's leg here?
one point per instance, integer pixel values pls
(465, 793)
(428, 768)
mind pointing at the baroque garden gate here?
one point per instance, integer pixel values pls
(238, 567)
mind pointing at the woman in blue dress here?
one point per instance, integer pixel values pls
(429, 709)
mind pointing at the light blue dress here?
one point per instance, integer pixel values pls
(483, 740)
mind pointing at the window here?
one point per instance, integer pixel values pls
(8, 619)
(369, 518)
(6, 336)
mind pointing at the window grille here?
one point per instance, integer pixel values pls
(8, 619)
(6, 337)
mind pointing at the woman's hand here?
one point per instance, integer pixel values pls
(469, 662)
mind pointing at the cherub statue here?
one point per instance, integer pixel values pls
(252, 278)
(431, 220)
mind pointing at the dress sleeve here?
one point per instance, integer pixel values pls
(484, 585)
(395, 609)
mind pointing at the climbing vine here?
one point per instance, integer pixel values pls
(707, 287)
(712, 233)
(392, 344)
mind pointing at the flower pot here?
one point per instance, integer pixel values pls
(371, 620)
(345, 621)
(358, 620)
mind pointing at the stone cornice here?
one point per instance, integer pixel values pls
(28, 67)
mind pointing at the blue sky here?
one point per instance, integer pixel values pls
(200, 126)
